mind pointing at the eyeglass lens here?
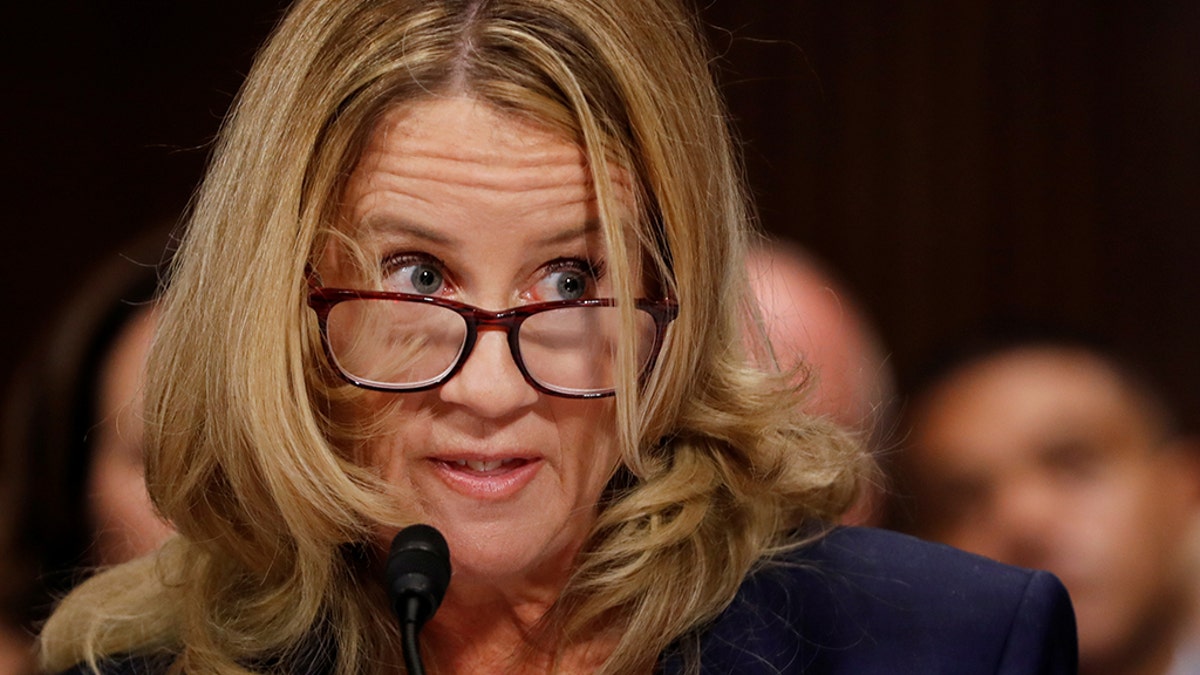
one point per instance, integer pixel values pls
(404, 344)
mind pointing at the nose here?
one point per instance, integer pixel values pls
(489, 384)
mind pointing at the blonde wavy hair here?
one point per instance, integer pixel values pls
(247, 454)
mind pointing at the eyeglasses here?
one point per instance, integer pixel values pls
(402, 342)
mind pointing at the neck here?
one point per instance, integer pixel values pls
(503, 638)
(485, 627)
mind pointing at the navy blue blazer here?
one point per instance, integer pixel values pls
(865, 602)
(870, 602)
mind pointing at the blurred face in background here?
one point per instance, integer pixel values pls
(123, 518)
(813, 322)
(1045, 458)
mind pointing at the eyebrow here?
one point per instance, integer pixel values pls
(591, 226)
(406, 227)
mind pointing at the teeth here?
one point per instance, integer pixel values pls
(482, 466)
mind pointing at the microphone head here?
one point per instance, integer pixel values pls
(418, 568)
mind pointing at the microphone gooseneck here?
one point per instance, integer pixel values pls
(418, 572)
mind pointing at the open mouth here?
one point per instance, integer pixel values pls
(487, 478)
(487, 466)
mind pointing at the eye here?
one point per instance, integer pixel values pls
(426, 279)
(571, 286)
(414, 273)
(1074, 458)
(569, 279)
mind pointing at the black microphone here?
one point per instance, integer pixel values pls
(418, 572)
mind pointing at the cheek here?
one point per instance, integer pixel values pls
(1116, 506)
(391, 429)
(1121, 540)
(125, 522)
(1144, 517)
(116, 483)
(587, 435)
(108, 488)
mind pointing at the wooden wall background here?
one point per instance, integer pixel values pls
(957, 161)
(969, 162)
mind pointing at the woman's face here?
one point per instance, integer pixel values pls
(454, 200)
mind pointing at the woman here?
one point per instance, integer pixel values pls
(333, 364)
(72, 493)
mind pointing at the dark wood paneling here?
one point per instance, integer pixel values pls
(967, 162)
(956, 160)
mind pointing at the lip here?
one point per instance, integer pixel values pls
(490, 484)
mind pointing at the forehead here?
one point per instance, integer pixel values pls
(464, 129)
(1025, 401)
(449, 147)
(460, 142)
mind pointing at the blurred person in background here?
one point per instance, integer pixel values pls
(819, 332)
(72, 491)
(1054, 454)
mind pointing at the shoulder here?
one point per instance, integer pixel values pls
(869, 601)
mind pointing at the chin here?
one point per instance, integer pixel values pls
(505, 551)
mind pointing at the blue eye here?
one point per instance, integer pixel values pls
(414, 273)
(571, 285)
(426, 279)
(569, 279)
